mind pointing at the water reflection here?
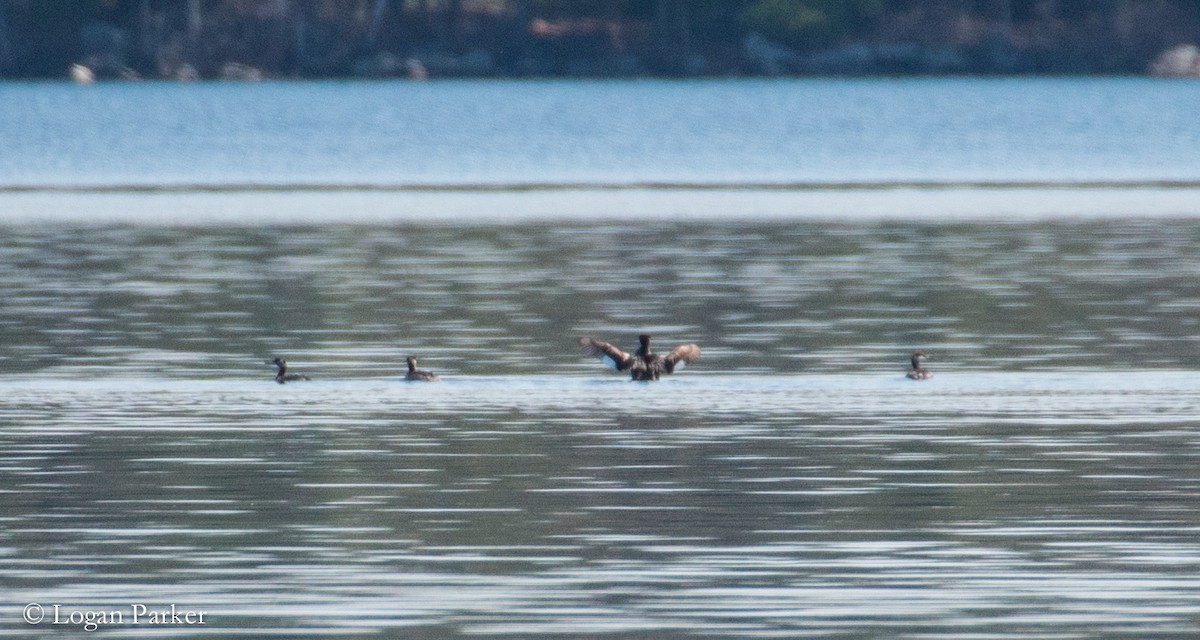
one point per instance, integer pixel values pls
(353, 301)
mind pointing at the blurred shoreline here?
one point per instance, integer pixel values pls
(266, 39)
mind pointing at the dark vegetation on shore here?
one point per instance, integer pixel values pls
(253, 39)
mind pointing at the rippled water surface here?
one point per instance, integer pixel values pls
(792, 483)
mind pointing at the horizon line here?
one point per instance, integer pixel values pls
(647, 185)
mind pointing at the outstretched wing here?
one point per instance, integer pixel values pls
(681, 355)
(611, 355)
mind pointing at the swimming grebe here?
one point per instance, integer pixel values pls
(418, 374)
(643, 365)
(917, 372)
(283, 376)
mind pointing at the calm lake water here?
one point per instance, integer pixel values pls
(506, 133)
(791, 483)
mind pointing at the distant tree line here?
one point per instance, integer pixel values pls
(191, 39)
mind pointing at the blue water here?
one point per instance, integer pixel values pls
(506, 132)
(159, 242)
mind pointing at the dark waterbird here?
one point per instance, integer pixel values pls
(415, 374)
(645, 364)
(918, 372)
(282, 376)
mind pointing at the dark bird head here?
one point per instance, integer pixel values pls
(917, 359)
(412, 363)
(644, 341)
